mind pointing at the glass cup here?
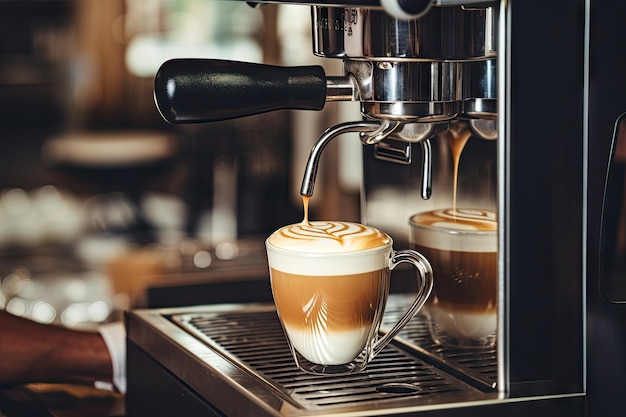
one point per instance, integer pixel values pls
(461, 246)
(331, 301)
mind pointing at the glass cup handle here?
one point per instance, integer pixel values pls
(425, 286)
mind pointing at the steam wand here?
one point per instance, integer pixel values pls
(378, 130)
(372, 132)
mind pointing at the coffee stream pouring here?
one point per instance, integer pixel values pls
(412, 77)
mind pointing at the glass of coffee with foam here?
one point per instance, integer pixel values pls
(461, 245)
(330, 282)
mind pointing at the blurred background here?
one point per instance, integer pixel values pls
(103, 205)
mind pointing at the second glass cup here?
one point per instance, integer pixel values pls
(461, 245)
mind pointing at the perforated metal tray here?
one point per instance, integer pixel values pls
(254, 340)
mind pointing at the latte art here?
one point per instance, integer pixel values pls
(328, 237)
(458, 219)
(478, 227)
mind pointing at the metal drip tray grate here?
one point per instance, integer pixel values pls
(477, 366)
(253, 340)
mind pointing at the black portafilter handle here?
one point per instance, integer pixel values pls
(208, 90)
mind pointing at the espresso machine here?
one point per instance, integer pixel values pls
(537, 83)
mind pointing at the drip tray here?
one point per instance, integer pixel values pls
(248, 352)
(476, 366)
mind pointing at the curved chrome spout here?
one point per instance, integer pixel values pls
(310, 172)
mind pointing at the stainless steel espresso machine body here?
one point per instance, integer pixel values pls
(537, 83)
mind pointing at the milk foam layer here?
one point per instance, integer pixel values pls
(328, 248)
(463, 324)
(331, 348)
(467, 230)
